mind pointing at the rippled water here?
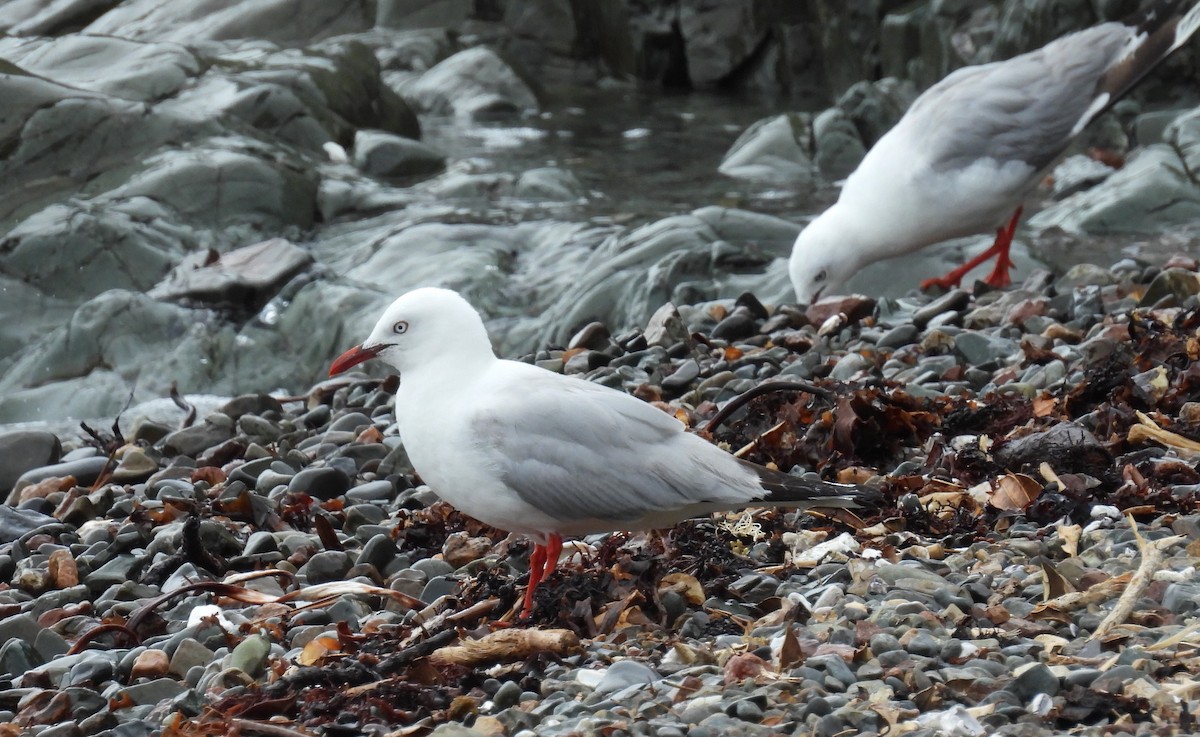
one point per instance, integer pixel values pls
(641, 156)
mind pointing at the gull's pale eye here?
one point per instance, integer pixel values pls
(400, 328)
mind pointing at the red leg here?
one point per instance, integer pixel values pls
(542, 563)
(999, 249)
(553, 551)
(537, 561)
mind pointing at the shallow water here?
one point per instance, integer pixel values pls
(641, 156)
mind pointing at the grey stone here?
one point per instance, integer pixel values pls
(16, 522)
(389, 156)
(547, 184)
(24, 451)
(326, 566)
(320, 482)
(250, 655)
(194, 440)
(154, 691)
(625, 673)
(245, 278)
(473, 83)
(772, 151)
(1173, 284)
(979, 349)
(1151, 192)
(1034, 679)
(189, 654)
(838, 146)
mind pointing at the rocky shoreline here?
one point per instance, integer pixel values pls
(274, 564)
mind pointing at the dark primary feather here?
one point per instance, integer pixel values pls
(1166, 27)
(785, 489)
(1030, 107)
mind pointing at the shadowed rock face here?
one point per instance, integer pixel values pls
(218, 195)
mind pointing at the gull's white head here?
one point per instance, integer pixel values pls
(424, 326)
(822, 260)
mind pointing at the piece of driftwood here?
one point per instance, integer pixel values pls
(507, 645)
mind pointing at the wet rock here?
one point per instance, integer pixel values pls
(390, 156)
(1067, 445)
(548, 184)
(838, 146)
(473, 83)
(84, 470)
(1171, 287)
(625, 673)
(772, 151)
(245, 278)
(24, 451)
(289, 21)
(192, 441)
(1034, 679)
(1132, 199)
(320, 482)
(328, 565)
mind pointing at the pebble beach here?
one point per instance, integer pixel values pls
(275, 567)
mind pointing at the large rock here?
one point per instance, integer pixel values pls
(105, 64)
(56, 137)
(719, 37)
(226, 182)
(245, 278)
(393, 157)
(1150, 193)
(773, 150)
(78, 250)
(282, 21)
(683, 259)
(24, 451)
(471, 84)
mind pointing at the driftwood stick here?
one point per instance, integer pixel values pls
(507, 645)
(1152, 555)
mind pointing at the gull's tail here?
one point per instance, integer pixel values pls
(786, 490)
(1156, 32)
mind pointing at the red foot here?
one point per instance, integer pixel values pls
(1000, 247)
(542, 563)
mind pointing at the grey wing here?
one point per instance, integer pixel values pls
(1026, 109)
(580, 451)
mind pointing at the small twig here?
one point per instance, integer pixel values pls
(748, 447)
(1176, 638)
(1152, 555)
(419, 650)
(271, 730)
(184, 405)
(737, 402)
(86, 638)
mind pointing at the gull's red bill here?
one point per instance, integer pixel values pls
(353, 357)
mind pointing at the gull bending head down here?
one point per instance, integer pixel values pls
(971, 147)
(546, 455)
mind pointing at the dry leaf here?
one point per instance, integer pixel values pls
(684, 584)
(1014, 492)
(316, 649)
(1044, 406)
(1056, 584)
(790, 653)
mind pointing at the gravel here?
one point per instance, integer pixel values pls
(185, 580)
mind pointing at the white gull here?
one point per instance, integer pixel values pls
(534, 452)
(970, 148)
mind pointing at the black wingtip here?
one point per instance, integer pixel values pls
(1162, 27)
(784, 489)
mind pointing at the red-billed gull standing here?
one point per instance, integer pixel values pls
(546, 455)
(971, 147)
